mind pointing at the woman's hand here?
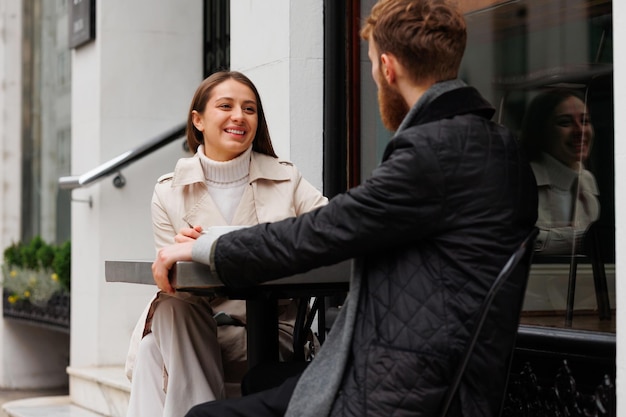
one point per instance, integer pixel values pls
(188, 234)
(166, 258)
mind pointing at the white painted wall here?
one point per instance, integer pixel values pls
(133, 82)
(279, 45)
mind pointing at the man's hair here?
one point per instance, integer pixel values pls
(427, 37)
(262, 142)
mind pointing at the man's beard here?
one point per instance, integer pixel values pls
(392, 106)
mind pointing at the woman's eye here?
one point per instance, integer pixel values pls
(564, 122)
(250, 110)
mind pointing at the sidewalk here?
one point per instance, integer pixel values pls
(7, 395)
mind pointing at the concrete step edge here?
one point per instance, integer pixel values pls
(58, 406)
(112, 376)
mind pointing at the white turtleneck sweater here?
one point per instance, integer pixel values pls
(226, 181)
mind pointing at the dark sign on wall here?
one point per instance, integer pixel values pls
(82, 22)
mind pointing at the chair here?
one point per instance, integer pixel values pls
(304, 321)
(519, 262)
(590, 250)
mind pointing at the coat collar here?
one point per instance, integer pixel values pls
(189, 170)
(551, 173)
(447, 99)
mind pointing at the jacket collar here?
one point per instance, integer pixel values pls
(447, 99)
(551, 173)
(189, 170)
(268, 168)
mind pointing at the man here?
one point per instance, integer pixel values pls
(451, 200)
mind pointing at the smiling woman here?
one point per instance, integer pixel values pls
(557, 134)
(233, 180)
(228, 122)
(224, 101)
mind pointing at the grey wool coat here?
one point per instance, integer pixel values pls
(429, 231)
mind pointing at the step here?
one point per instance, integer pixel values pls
(102, 390)
(57, 406)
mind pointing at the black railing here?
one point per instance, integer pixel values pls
(116, 164)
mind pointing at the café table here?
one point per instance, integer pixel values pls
(261, 301)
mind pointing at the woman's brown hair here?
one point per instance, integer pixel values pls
(262, 142)
(533, 133)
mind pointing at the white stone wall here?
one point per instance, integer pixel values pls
(135, 81)
(279, 45)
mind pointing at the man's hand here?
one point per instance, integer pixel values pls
(166, 258)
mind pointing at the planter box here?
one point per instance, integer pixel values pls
(55, 315)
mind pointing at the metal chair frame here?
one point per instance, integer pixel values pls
(522, 257)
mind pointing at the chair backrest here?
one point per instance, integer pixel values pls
(590, 250)
(521, 259)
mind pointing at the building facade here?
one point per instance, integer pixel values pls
(73, 99)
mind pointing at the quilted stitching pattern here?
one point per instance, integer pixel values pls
(436, 223)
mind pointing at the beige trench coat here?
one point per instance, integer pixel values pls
(276, 191)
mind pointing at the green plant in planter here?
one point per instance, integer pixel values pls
(35, 271)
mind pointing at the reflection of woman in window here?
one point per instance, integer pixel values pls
(558, 135)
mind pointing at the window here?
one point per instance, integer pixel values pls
(522, 53)
(516, 51)
(216, 36)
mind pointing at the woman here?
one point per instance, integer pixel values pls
(557, 134)
(193, 347)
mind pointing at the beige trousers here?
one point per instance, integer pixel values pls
(187, 359)
(178, 364)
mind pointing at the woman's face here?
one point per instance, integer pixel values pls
(571, 132)
(229, 121)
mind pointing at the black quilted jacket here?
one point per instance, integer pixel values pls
(429, 231)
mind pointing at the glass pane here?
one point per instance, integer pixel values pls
(517, 51)
(374, 135)
(547, 66)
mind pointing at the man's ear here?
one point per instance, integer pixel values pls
(388, 65)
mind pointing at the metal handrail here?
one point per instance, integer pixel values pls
(120, 161)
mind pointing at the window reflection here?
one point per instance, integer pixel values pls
(534, 60)
(517, 51)
(558, 135)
